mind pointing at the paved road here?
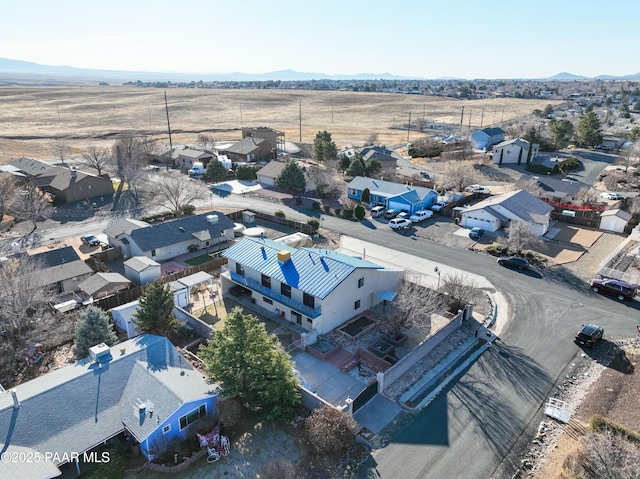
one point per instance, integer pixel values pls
(471, 427)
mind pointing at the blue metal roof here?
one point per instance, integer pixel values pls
(314, 271)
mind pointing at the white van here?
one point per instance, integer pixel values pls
(377, 211)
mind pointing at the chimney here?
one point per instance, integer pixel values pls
(16, 403)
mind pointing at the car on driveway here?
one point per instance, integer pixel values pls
(611, 196)
(421, 215)
(399, 223)
(620, 289)
(476, 233)
(477, 189)
(589, 335)
(437, 206)
(513, 262)
(377, 211)
(90, 240)
(390, 214)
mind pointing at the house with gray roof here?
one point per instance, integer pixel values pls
(268, 174)
(163, 241)
(142, 270)
(556, 190)
(497, 211)
(513, 151)
(65, 184)
(388, 158)
(397, 196)
(188, 156)
(143, 386)
(248, 149)
(61, 268)
(100, 285)
(316, 289)
(487, 137)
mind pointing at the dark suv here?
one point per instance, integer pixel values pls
(589, 335)
(614, 287)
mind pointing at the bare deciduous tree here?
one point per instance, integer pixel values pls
(326, 180)
(31, 204)
(459, 290)
(628, 157)
(413, 306)
(130, 156)
(23, 296)
(372, 139)
(520, 237)
(586, 196)
(206, 142)
(530, 185)
(176, 191)
(7, 193)
(608, 455)
(459, 173)
(97, 158)
(60, 149)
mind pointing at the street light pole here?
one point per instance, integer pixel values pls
(437, 271)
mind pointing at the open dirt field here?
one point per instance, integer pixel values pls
(34, 119)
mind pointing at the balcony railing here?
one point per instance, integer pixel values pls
(254, 285)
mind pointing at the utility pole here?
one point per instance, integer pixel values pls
(481, 118)
(166, 107)
(409, 126)
(300, 120)
(461, 120)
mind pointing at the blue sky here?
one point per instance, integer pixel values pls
(414, 38)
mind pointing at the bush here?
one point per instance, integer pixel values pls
(599, 423)
(315, 206)
(231, 411)
(329, 432)
(314, 223)
(246, 172)
(360, 212)
(114, 469)
(188, 209)
(348, 214)
(497, 250)
(541, 169)
(279, 214)
(570, 163)
(327, 209)
(337, 211)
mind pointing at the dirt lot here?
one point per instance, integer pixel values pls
(34, 119)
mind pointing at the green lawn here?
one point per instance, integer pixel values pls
(198, 260)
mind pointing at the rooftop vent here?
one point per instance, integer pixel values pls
(74, 173)
(212, 219)
(182, 229)
(284, 256)
(99, 352)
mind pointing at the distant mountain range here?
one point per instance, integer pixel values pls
(22, 72)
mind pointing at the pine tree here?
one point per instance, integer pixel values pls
(356, 168)
(155, 314)
(93, 328)
(291, 177)
(253, 366)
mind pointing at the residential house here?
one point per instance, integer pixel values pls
(120, 230)
(611, 142)
(143, 387)
(163, 241)
(65, 184)
(388, 158)
(187, 157)
(487, 137)
(513, 151)
(101, 285)
(614, 220)
(142, 270)
(268, 174)
(556, 190)
(397, 196)
(315, 289)
(495, 212)
(61, 268)
(275, 138)
(248, 150)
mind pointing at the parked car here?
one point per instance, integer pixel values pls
(421, 215)
(513, 262)
(620, 289)
(403, 214)
(589, 335)
(390, 214)
(437, 206)
(377, 211)
(425, 175)
(477, 189)
(90, 240)
(476, 233)
(399, 223)
(611, 196)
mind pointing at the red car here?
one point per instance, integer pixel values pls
(614, 287)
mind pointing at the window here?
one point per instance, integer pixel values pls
(239, 269)
(297, 317)
(308, 300)
(267, 300)
(309, 320)
(193, 416)
(266, 281)
(153, 252)
(360, 282)
(88, 187)
(285, 290)
(166, 429)
(356, 305)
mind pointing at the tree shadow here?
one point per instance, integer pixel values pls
(560, 274)
(368, 224)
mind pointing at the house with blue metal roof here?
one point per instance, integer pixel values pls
(164, 241)
(143, 386)
(397, 196)
(316, 289)
(486, 138)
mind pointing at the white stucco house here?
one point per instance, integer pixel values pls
(496, 211)
(317, 289)
(142, 270)
(513, 151)
(614, 220)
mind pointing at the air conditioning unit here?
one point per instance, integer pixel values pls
(99, 353)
